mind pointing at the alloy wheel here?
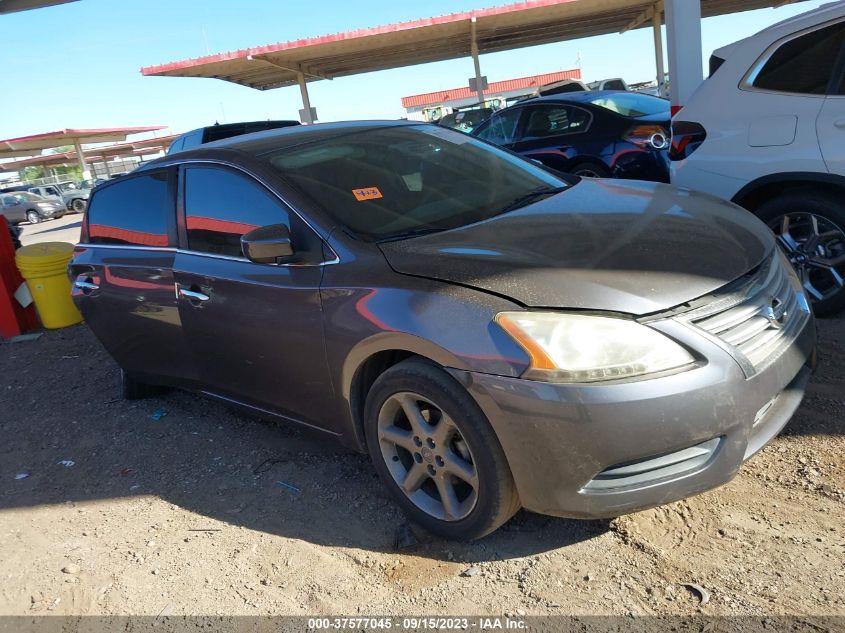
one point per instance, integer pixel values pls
(816, 248)
(33, 217)
(427, 456)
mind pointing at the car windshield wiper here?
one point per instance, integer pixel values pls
(412, 233)
(532, 195)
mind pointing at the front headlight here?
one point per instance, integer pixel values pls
(584, 348)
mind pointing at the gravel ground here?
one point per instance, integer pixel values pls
(105, 509)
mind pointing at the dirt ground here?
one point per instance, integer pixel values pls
(170, 506)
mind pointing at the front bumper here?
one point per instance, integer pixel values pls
(562, 440)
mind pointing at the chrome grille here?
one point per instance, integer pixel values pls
(759, 319)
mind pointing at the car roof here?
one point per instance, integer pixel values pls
(784, 28)
(583, 96)
(258, 143)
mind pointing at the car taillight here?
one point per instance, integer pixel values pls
(686, 138)
(653, 136)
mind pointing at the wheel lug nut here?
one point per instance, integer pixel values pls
(418, 458)
(430, 442)
(417, 441)
(439, 461)
(431, 470)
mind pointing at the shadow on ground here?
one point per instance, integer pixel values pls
(61, 403)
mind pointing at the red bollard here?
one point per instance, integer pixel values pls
(14, 318)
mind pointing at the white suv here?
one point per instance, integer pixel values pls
(766, 130)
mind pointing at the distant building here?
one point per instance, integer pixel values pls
(433, 105)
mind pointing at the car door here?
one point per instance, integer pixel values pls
(552, 133)
(831, 122)
(255, 329)
(122, 273)
(12, 209)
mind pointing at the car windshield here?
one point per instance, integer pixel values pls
(25, 196)
(632, 104)
(395, 182)
(466, 120)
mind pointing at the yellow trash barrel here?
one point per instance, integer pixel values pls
(44, 266)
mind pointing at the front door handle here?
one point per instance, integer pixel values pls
(85, 284)
(193, 295)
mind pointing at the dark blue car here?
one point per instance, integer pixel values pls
(601, 134)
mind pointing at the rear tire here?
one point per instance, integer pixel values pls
(78, 205)
(132, 389)
(449, 434)
(810, 229)
(590, 169)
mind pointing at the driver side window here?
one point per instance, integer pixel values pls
(222, 205)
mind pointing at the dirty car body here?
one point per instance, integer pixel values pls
(400, 252)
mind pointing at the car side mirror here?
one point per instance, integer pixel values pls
(267, 244)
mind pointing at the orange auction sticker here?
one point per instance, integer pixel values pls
(366, 193)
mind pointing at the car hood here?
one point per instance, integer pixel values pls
(633, 247)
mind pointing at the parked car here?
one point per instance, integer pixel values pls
(73, 198)
(767, 131)
(616, 83)
(493, 334)
(563, 86)
(597, 133)
(90, 183)
(218, 132)
(466, 120)
(23, 206)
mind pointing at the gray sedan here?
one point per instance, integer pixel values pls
(22, 206)
(493, 334)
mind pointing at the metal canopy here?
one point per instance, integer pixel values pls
(49, 140)
(11, 6)
(47, 160)
(428, 40)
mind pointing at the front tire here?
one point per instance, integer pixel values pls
(436, 452)
(33, 217)
(78, 205)
(810, 229)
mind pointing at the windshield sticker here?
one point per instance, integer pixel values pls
(366, 193)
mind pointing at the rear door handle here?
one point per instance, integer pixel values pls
(85, 284)
(193, 295)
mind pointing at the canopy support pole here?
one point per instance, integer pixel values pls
(683, 36)
(479, 90)
(86, 173)
(306, 102)
(656, 21)
(106, 165)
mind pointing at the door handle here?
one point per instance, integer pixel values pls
(840, 123)
(85, 284)
(193, 295)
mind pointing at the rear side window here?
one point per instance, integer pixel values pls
(502, 128)
(554, 120)
(135, 210)
(803, 65)
(222, 205)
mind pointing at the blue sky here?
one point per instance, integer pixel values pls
(77, 65)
